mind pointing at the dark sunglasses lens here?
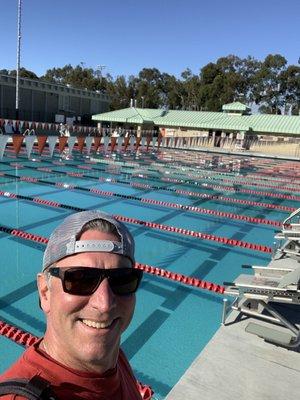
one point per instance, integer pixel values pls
(84, 281)
(124, 281)
(81, 281)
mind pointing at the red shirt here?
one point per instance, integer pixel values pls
(68, 384)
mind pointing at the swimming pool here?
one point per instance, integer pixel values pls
(195, 192)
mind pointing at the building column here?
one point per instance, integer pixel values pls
(32, 94)
(1, 99)
(139, 131)
(99, 126)
(46, 106)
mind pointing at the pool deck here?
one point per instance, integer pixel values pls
(243, 153)
(236, 365)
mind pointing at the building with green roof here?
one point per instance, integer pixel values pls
(234, 119)
(236, 107)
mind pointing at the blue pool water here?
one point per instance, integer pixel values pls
(172, 322)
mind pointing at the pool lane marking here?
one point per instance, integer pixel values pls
(164, 166)
(172, 180)
(219, 172)
(180, 192)
(187, 280)
(144, 200)
(208, 175)
(152, 225)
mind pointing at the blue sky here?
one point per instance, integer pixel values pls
(128, 35)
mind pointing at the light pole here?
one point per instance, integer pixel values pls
(18, 58)
(99, 70)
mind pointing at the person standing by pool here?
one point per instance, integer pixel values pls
(87, 291)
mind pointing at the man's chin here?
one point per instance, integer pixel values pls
(97, 362)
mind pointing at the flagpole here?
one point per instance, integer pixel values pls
(18, 58)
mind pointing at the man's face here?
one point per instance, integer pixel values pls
(83, 332)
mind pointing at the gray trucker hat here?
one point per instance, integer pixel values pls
(63, 240)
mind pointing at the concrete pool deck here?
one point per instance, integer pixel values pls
(236, 365)
(243, 153)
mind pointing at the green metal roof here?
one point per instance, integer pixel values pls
(280, 124)
(129, 115)
(259, 123)
(200, 120)
(236, 106)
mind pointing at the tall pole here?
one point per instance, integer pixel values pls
(18, 58)
(99, 70)
(17, 214)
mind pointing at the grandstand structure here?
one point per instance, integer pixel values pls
(49, 102)
(234, 123)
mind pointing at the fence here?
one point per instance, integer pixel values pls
(122, 139)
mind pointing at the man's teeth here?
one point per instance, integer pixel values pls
(97, 325)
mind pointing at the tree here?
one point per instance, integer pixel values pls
(249, 69)
(190, 90)
(270, 83)
(149, 88)
(221, 83)
(78, 77)
(237, 77)
(120, 92)
(171, 92)
(269, 91)
(290, 84)
(24, 73)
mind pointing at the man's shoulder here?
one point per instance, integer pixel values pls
(33, 388)
(128, 380)
(22, 368)
(122, 359)
(25, 368)
(16, 371)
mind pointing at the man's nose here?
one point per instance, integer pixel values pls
(103, 298)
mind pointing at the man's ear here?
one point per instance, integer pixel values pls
(44, 292)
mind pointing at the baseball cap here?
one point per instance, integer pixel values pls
(63, 240)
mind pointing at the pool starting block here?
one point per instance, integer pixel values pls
(279, 282)
(291, 234)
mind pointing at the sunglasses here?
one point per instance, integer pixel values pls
(84, 281)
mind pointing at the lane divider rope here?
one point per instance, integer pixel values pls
(177, 191)
(208, 174)
(194, 209)
(167, 179)
(238, 201)
(200, 235)
(217, 172)
(16, 334)
(245, 183)
(146, 268)
(255, 192)
(153, 225)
